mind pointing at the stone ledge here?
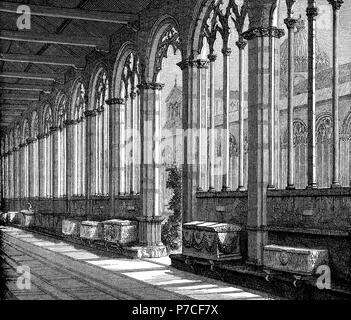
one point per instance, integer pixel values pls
(319, 232)
(222, 194)
(344, 191)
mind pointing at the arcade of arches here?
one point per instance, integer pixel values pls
(258, 120)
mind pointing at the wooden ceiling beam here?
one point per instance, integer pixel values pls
(100, 43)
(33, 76)
(47, 60)
(75, 14)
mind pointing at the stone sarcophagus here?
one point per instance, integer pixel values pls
(211, 240)
(299, 261)
(120, 231)
(92, 230)
(13, 217)
(27, 218)
(71, 227)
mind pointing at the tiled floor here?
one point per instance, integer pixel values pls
(61, 270)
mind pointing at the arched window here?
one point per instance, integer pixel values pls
(34, 161)
(130, 92)
(61, 114)
(78, 144)
(220, 44)
(47, 124)
(345, 152)
(300, 151)
(324, 151)
(101, 156)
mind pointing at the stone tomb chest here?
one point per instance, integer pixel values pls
(211, 240)
(92, 230)
(299, 261)
(27, 218)
(71, 227)
(120, 231)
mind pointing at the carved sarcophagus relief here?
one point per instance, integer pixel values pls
(120, 231)
(92, 230)
(71, 227)
(211, 240)
(298, 261)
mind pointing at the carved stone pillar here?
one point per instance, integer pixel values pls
(258, 37)
(150, 221)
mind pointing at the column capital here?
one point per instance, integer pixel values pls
(133, 95)
(290, 23)
(54, 129)
(202, 64)
(263, 32)
(90, 113)
(15, 149)
(113, 101)
(312, 12)
(22, 145)
(151, 85)
(226, 52)
(100, 109)
(241, 44)
(212, 57)
(31, 140)
(336, 4)
(41, 136)
(183, 64)
(69, 122)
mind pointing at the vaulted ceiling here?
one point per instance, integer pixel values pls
(62, 34)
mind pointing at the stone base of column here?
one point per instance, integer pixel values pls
(312, 186)
(290, 187)
(271, 187)
(150, 243)
(241, 189)
(257, 239)
(336, 185)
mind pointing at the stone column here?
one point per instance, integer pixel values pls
(41, 172)
(241, 44)
(69, 124)
(114, 159)
(89, 154)
(212, 58)
(259, 35)
(202, 137)
(150, 221)
(225, 132)
(336, 5)
(189, 164)
(54, 161)
(312, 13)
(290, 24)
(132, 172)
(122, 147)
